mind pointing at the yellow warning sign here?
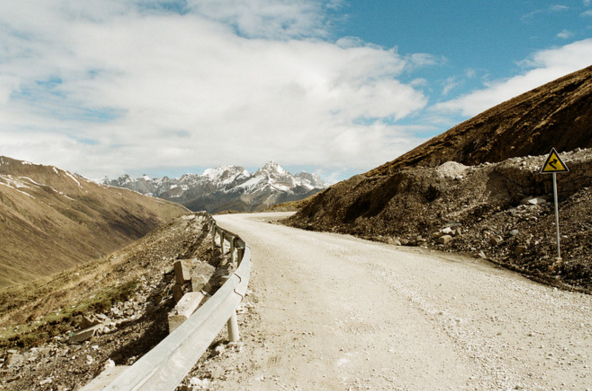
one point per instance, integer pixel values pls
(553, 164)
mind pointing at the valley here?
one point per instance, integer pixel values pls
(52, 220)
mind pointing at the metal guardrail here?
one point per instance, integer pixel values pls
(165, 366)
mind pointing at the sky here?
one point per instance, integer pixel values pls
(334, 87)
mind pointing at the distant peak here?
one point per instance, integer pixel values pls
(224, 172)
(272, 166)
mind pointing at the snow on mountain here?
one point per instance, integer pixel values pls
(228, 187)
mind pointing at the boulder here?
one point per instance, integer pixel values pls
(496, 240)
(445, 239)
(534, 201)
(519, 250)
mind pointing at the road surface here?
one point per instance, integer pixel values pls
(333, 312)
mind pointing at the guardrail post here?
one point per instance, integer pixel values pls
(233, 252)
(232, 326)
(232, 323)
(240, 252)
(222, 242)
(213, 233)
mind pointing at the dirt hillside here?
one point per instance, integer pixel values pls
(557, 114)
(51, 220)
(129, 292)
(476, 189)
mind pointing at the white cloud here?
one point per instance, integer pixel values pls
(543, 67)
(558, 8)
(105, 86)
(549, 10)
(266, 18)
(565, 34)
(449, 84)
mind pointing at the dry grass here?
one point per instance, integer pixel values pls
(35, 311)
(50, 221)
(50, 306)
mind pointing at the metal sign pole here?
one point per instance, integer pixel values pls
(553, 165)
(556, 215)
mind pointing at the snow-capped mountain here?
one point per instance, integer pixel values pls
(228, 188)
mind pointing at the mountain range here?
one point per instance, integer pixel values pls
(227, 188)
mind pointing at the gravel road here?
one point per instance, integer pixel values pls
(332, 312)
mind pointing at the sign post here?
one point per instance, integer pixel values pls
(553, 165)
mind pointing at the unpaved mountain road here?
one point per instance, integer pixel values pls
(334, 312)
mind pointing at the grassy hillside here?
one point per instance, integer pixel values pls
(51, 220)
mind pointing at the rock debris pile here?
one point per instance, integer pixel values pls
(502, 211)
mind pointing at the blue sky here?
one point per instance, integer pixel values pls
(165, 87)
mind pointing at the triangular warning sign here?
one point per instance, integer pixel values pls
(554, 164)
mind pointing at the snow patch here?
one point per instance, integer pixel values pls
(14, 188)
(251, 182)
(74, 179)
(65, 195)
(32, 181)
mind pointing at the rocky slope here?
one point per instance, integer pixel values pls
(228, 188)
(129, 293)
(51, 220)
(478, 182)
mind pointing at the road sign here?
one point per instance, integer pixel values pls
(553, 164)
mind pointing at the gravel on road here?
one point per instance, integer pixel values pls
(334, 312)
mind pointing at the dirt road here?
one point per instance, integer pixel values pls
(331, 312)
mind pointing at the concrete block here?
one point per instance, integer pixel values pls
(184, 309)
(89, 320)
(183, 271)
(198, 282)
(178, 292)
(105, 378)
(86, 334)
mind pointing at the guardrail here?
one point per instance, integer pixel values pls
(165, 366)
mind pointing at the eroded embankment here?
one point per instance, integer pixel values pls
(503, 212)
